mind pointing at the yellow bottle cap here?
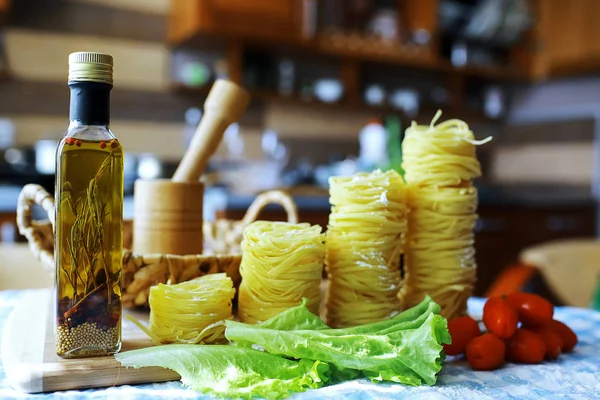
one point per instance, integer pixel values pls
(91, 67)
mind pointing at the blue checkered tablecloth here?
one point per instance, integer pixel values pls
(574, 376)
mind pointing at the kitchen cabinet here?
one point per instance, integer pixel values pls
(4, 9)
(270, 20)
(339, 33)
(418, 18)
(564, 40)
(561, 40)
(501, 233)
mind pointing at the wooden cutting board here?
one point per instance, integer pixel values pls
(31, 364)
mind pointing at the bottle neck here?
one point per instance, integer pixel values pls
(90, 103)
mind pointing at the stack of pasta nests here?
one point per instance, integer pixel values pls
(282, 265)
(440, 164)
(374, 217)
(364, 246)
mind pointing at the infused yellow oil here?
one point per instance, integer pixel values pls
(89, 194)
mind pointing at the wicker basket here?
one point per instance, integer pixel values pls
(141, 271)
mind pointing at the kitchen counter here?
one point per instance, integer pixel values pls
(19, 269)
(542, 195)
(490, 194)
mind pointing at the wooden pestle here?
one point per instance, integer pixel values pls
(224, 105)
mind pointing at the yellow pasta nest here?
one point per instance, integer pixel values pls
(440, 155)
(281, 264)
(440, 258)
(364, 246)
(187, 312)
(440, 163)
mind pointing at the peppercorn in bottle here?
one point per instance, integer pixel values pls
(89, 216)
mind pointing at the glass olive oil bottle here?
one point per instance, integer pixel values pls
(89, 216)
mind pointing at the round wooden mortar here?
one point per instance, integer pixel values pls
(168, 213)
(167, 217)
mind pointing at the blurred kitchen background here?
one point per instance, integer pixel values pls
(334, 85)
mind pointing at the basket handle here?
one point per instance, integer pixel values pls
(35, 194)
(271, 197)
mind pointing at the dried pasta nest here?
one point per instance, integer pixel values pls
(141, 271)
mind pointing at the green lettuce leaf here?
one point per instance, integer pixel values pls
(405, 349)
(343, 375)
(300, 318)
(230, 371)
(420, 351)
(392, 324)
(295, 318)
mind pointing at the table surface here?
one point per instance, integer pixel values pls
(574, 376)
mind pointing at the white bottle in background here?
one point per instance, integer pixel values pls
(373, 140)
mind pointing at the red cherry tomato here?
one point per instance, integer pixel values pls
(499, 317)
(532, 309)
(486, 352)
(567, 335)
(554, 343)
(525, 347)
(462, 330)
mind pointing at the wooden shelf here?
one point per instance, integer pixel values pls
(410, 56)
(424, 116)
(373, 50)
(284, 36)
(489, 72)
(270, 96)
